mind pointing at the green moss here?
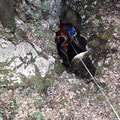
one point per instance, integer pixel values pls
(7, 13)
(4, 80)
(100, 98)
(114, 50)
(98, 16)
(20, 33)
(16, 85)
(92, 44)
(58, 67)
(90, 8)
(3, 64)
(39, 83)
(103, 38)
(99, 72)
(6, 63)
(7, 21)
(43, 55)
(110, 67)
(5, 71)
(89, 29)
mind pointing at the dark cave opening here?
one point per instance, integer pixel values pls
(71, 45)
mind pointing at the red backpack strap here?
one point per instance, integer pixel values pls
(66, 44)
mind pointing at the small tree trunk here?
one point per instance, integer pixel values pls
(7, 13)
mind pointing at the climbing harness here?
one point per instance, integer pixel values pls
(76, 41)
(115, 112)
(66, 32)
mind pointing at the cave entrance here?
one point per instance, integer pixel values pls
(71, 45)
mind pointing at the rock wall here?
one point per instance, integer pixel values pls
(96, 26)
(22, 62)
(29, 56)
(88, 17)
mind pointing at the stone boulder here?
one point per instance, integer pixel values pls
(23, 62)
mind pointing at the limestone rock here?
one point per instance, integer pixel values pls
(35, 2)
(44, 65)
(22, 61)
(6, 50)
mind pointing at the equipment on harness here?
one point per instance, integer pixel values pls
(66, 32)
(71, 31)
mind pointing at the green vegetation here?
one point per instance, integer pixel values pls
(25, 93)
(45, 6)
(2, 89)
(76, 110)
(37, 100)
(100, 98)
(1, 118)
(16, 105)
(98, 41)
(39, 32)
(41, 84)
(114, 50)
(37, 115)
(58, 67)
(57, 29)
(22, 9)
(2, 32)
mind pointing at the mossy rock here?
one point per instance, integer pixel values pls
(7, 13)
(100, 98)
(23, 66)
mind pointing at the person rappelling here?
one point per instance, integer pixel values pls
(68, 38)
(63, 38)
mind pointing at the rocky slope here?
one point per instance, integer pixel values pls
(47, 91)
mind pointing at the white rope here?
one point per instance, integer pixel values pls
(115, 112)
(65, 55)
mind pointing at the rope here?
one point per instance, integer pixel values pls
(66, 56)
(115, 112)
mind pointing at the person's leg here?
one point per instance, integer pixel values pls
(63, 54)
